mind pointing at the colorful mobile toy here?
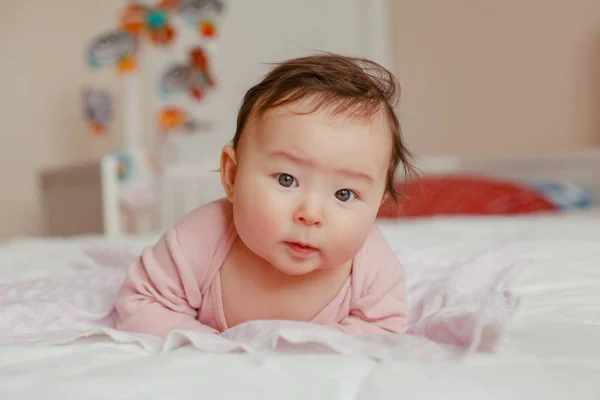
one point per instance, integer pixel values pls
(125, 164)
(202, 14)
(113, 48)
(194, 78)
(98, 109)
(151, 22)
(176, 120)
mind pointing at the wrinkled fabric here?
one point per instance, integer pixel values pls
(454, 308)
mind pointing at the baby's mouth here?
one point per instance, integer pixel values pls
(301, 249)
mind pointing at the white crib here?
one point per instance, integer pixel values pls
(182, 187)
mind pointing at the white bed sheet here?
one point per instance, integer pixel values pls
(551, 351)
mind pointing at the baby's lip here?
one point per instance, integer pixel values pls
(301, 244)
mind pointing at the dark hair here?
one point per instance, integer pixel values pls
(356, 87)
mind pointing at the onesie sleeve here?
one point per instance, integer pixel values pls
(162, 290)
(379, 304)
(160, 293)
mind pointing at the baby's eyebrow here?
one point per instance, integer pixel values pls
(356, 175)
(303, 161)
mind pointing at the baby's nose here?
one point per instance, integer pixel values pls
(308, 215)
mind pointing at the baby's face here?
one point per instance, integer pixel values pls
(308, 187)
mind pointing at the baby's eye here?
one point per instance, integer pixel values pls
(286, 180)
(345, 195)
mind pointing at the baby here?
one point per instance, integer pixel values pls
(314, 155)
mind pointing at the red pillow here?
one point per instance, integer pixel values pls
(463, 195)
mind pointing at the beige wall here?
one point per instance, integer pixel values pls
(478, 76)
(42, 70)
(498, 77)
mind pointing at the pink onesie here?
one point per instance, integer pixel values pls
(176, 283)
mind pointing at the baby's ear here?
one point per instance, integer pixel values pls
(228, 170)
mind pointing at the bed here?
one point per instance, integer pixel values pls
(544, 320)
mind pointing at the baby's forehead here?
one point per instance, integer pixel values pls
(284, 118)
(321, 135)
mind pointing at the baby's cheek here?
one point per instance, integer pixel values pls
(260, 212)
(350, 235)
(273, 214)
(263, 220)
(349, 243)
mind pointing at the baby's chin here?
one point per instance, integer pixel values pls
(301, 268)
(296, 270)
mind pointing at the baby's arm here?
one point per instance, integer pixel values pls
(380, 307)
(161, 292)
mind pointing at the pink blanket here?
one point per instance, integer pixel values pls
(453, 310)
